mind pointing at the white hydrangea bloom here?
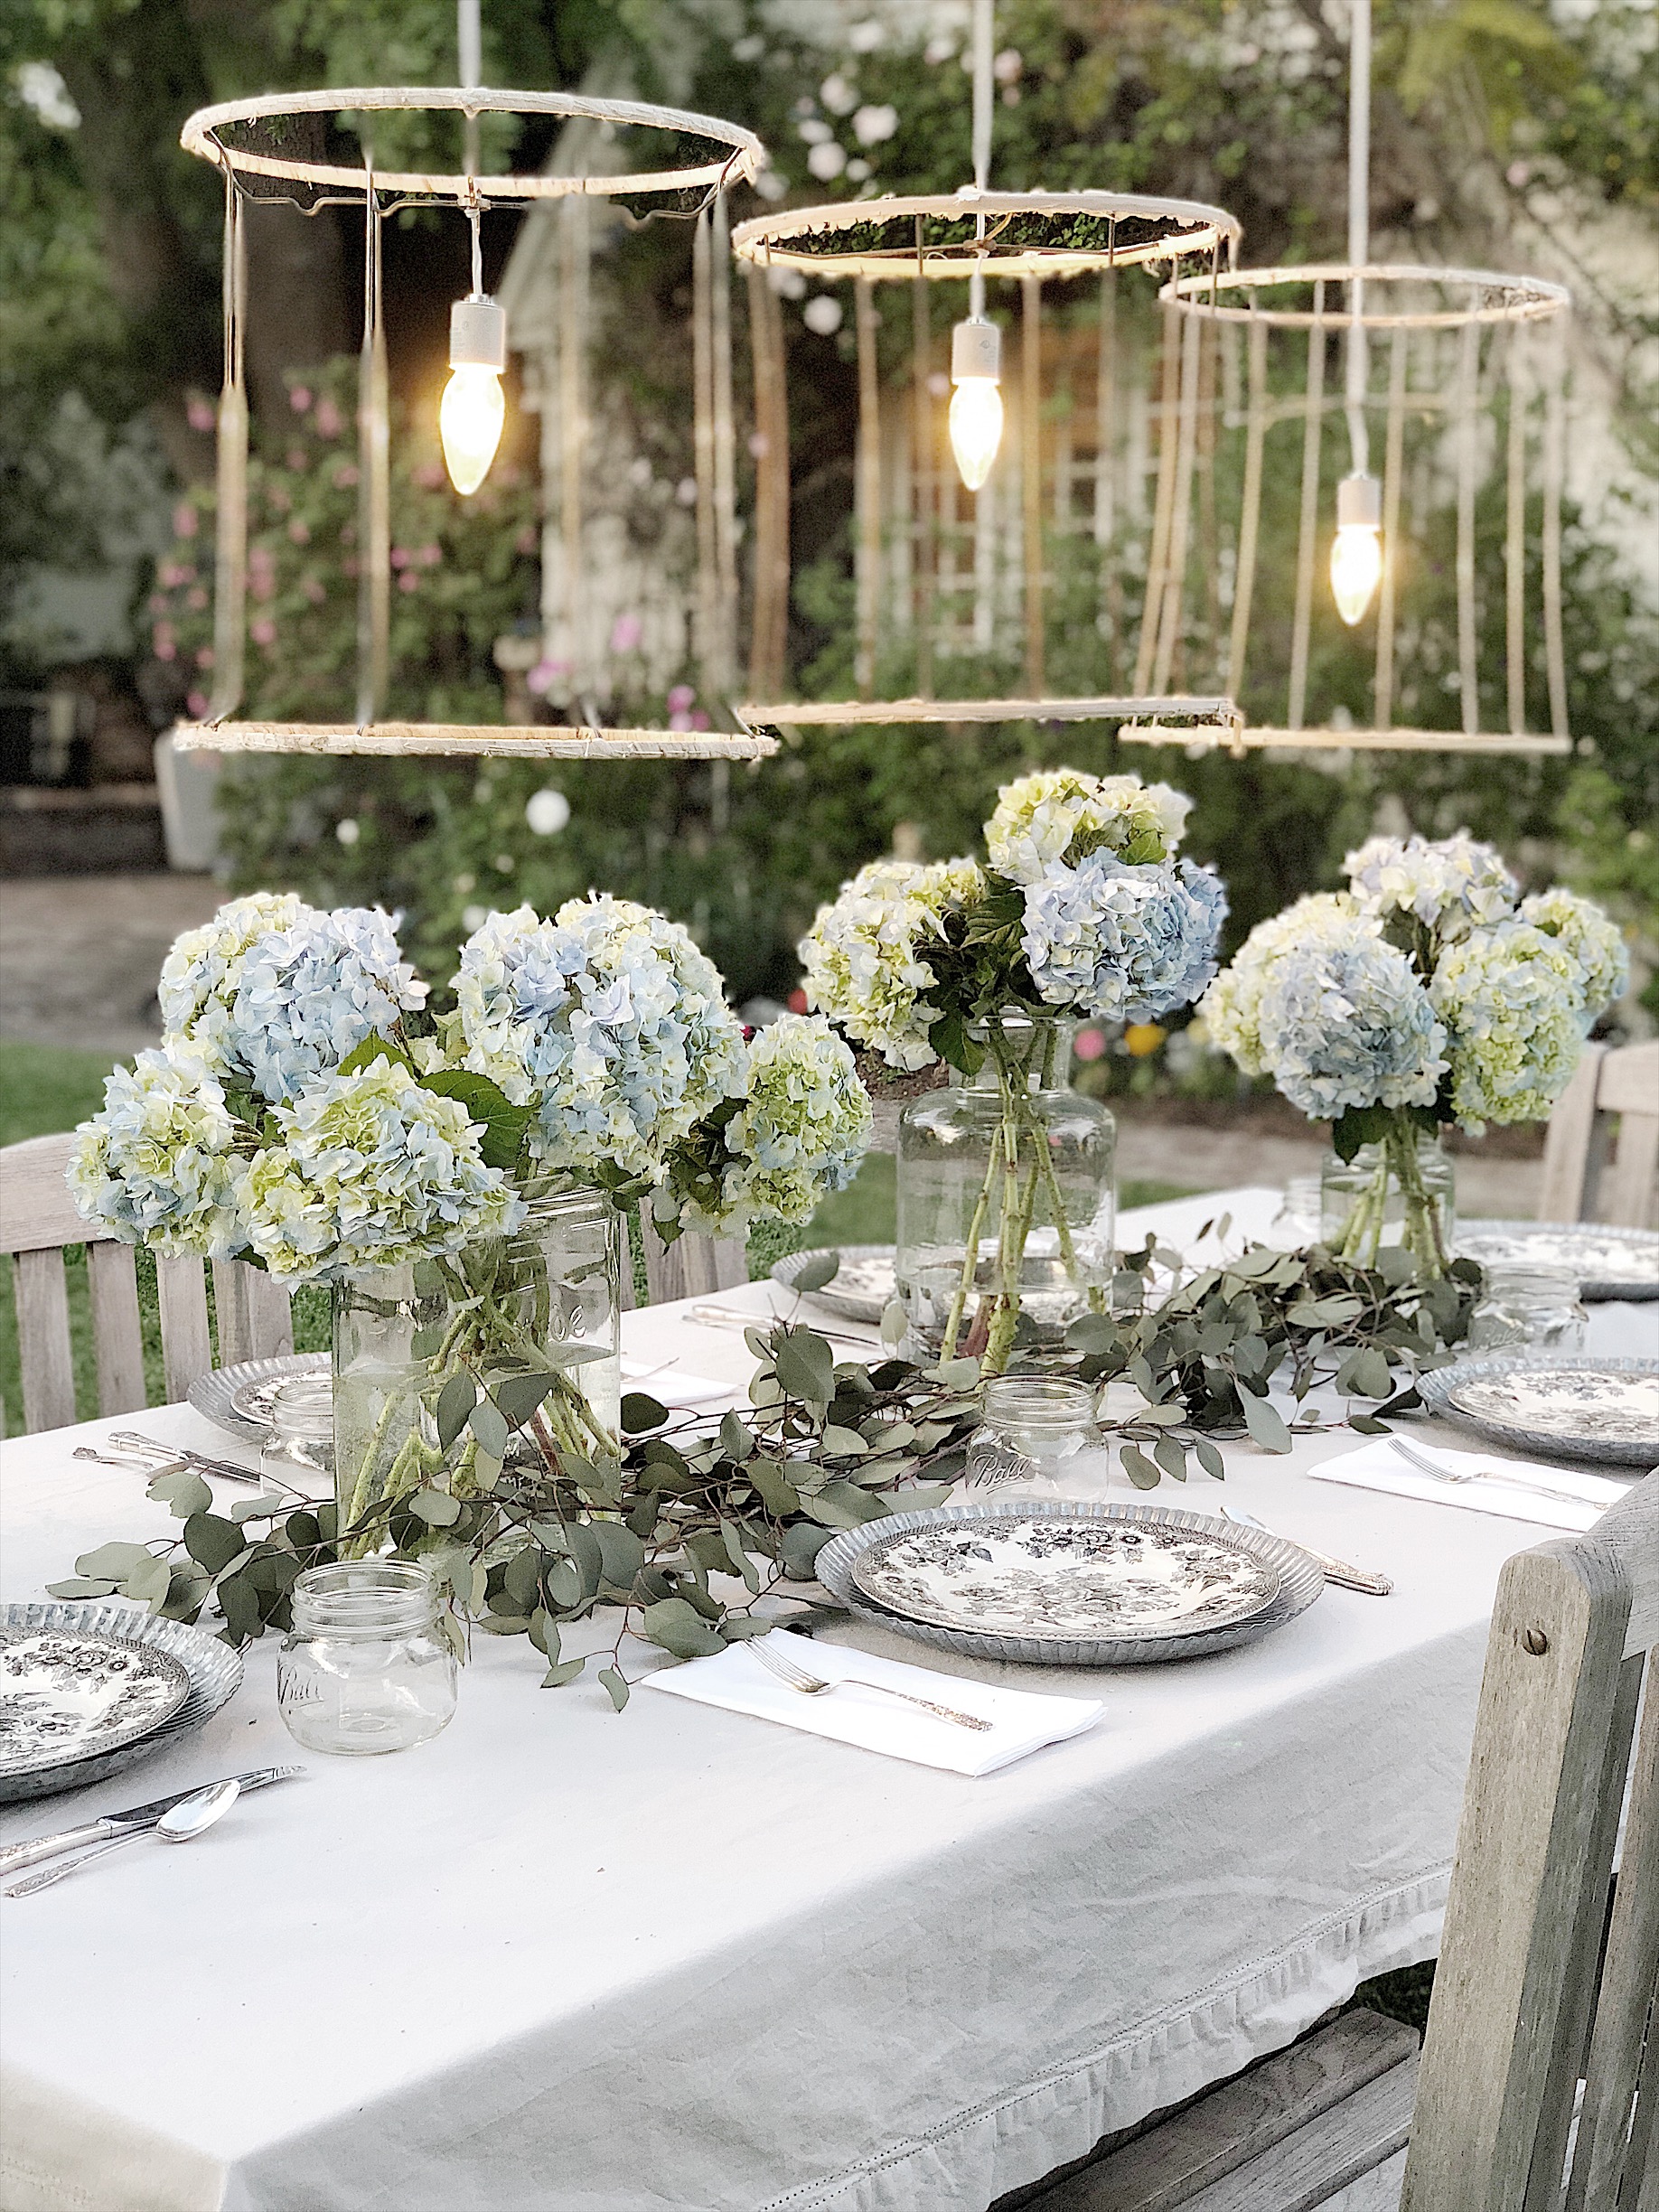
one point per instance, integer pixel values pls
(801, 1132)
(371, 1171)
(1594, 941)
(1062, 814)
(1345, 1022)
(866, 954)
(276, 1005)
(1121, 942)
(608, 1020)
(1231, 1010)
(1451, 884)
(1510, 998)
(158, 1165)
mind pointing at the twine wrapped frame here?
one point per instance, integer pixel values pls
(210, 133)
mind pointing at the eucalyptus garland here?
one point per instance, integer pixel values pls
(683, 1535)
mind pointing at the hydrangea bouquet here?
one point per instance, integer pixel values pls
(1428, 993)
(306, 1114)
(1081, 910)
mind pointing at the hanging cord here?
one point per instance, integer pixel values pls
(230, 531)
(468, 40)
(374, 474)
(1359, 232)
(982, 81)
(474, 216)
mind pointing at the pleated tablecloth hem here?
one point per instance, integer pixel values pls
(1059, 2115)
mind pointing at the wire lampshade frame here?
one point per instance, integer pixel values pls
(257, 171)
(1398, 307)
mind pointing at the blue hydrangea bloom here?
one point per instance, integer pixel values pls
(1122, 943)
(1345, 1022)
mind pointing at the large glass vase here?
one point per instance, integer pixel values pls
(452, 1372)
(1006, 1200)
(1402, 1191)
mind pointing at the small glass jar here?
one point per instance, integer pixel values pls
(298, 1451)
(1042, 1418)
(1531, 1309)
(363, 1669)
(1364, 1203)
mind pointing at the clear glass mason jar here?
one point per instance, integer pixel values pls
(364, 1669)
(538, 1306)
(1006, 1199)
(1299, 1220)
(1401, 1191)
(298, 1451)
(1531, 1309)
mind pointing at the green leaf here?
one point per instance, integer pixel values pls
(486, 1424)
(616, 1687)
(211, 1542)
(843, 1443)
(149, 1582)
(238, 1601)
(455, 1401)
(736, 1442)
(1171, 1457)
(258, 1509)
(112, 1561)
(1371, 1375)
(184, 1491)
(518, 1396)
(1209, 1458)
(802, 1545)
(640, 1412)
(437, 1508)
(1139, 1467)
(674, 1627)
(741, 1562)
(842, 1504)
(79, 1586)
(814, 1274)
(503, 1124)
(805, 1366)
(567, 1671)
(1265, 1424)
(775, 1492)
(1361, 1125)
(374, 1048)
(621, 1553)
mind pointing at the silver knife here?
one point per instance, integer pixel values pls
(30, 1853)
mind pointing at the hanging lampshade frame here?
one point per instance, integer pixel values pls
(1393, 300)
(254, 172)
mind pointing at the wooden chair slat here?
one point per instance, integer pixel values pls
(1626, 1192)
(36, 1211)
(1585, 1179)
(1624, 2008)
(1567, 1142)
(187, 1351)
(117, 1331)
(692, 1266)
(255, 1314)
(1629, 1081)
(44, 1340)
(1531, 1868)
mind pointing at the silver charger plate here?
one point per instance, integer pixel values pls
(1605, 1410)
(861, 1289)
(237, 1399)
(67, 1692)
(1609, 1263)
(212, 1670)
(1299, 1578)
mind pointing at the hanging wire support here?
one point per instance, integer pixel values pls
(230, 528)
(1554, 469)
(1469, 664)
(1172, 604)
(1514, 534)
(1250, 518)
(725, 443)
(469, 39)
(373, 475)
(1312, 423)
(921, 472)
(1359, 230)
(867, 489)
(1031, 477)
(1393, 456)
(703, 455)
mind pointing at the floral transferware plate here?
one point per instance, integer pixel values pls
(1298, 1580)
(213, 1673)
(1038, 1575)
(65, 1692)
(238, 1398)
(861, 1289)
(1610, 1263)
(1592, 1409)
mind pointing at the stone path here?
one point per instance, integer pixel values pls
(80, 955)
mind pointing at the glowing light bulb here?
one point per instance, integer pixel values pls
(976, 404)
(473, 407)
(1356, 551)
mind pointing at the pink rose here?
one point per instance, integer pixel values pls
(299, 398)
(700, 721)
(400, 557)
(204, 657)
(680, 697)
(429, 475)
(430, 556)
(408, 581)
(201, 414)
(196, 598)
(679, 719)
(295, 458)
(198, 704)
(625, 633)
(263, 631)
(314, 590)
(545, 675)
(1090, 1046)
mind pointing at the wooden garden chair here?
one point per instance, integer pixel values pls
(691, 1266)
(37, 1219)
(1585, 1178)
(1537, 2089)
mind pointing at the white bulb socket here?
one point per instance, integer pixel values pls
(976, 350)
(478, 333)
(1359, 503)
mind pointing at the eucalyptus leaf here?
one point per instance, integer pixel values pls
(182, 1490)
(814, 1274)
(437, 1508)
(640, 1412)
(1209, 1458)
(1265, 1424)
(566, 1672)
(518, 1396)
(676, 1627)
(615, 1687)
(213, 1542)
(114, 1561)
(487, 1425)
(736, 1442)
(79, 1586)
(1139, 1467)
(804, 1365)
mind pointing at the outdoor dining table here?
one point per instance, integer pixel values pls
(579, 1961)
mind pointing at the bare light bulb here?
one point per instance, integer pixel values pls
(1356, 551)
(473, 407)
(976, 404)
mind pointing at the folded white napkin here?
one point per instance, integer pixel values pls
(672, 1387)
(1021, 1720)
(1376, 1465)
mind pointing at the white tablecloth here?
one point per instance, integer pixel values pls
(565, 1960)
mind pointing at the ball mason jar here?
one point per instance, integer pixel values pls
(298, 1450)
(543, 1302)
(364, 1668)
(1006, 1199)
(1529, 1308)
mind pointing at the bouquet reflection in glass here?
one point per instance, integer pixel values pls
(365, 1668)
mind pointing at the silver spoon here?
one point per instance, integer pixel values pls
(191, 1817)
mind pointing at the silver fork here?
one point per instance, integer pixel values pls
(1426, 1465)
(795, 1677)
(1364, 1579)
